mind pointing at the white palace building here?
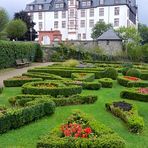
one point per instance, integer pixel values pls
(58, 20)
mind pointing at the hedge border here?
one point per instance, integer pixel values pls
(106, 82)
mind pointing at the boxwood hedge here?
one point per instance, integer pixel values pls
(106, 82)
(13, 118)
(106, 138)
(53, 88)
(1, 89)
(133, 94)
(134, 122)
(19, 81)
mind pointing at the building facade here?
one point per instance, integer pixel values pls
(76, 18)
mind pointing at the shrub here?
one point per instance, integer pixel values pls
(106, 82)
(44, 76)
(21, 100)
(10, 51)
(138, 84)
(19, 81)
(70, 63)
(17, 117)
(91, 85)
(126, 67)
(53, 88)
(88, 77)
(134, 94)
(110, 73)
(133, 72)
(38, 53)
(1, 90)
(128, 113)
(144, 75)
(104, 136)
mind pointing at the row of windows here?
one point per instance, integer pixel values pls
(82, 23)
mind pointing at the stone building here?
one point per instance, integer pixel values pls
(110, 42)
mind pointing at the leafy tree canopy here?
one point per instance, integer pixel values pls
(99, 29)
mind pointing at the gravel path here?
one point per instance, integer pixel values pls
(16, 72)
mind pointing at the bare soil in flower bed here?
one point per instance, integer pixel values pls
(47, 85)
(123, 105)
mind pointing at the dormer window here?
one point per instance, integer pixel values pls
(101, 2)
(40, 7)
(31, 7)
(59, 5)
(86, 3)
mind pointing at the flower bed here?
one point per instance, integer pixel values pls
(139, 94)
(44, 76)
(106, 82)
(21, 100)
(87, 77)
(13, 118)
(53, 88)
(19, 81)
(81, 131)
(124, 80)
(128, 113)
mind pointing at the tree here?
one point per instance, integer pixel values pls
(3, 19)
(130, 34)
(143, 30)
(31, 33)
(99, 28)
(16, 29)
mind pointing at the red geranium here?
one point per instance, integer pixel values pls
(131, 78)
(143, 90)
(75, 130)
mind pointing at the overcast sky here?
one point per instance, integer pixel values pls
(16, 5)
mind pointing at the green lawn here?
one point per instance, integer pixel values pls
(28, 135)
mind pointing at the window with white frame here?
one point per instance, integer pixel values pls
(101, 11)
(56, 15)
(71, 23)
(82, 24)
(101, 20)
(86, 3)
(40, 25)
(71, 13)
(56, 24)
(91, 23)
(91, 12)
(83, 13)
(117, 10)
(84, 35)
(63, 14)
(71, 2)
(40, 16)
(63, 24)
(116, 22)
(31, 16)
(31, 7)
(79, 36)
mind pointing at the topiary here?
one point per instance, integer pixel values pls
(133, 72)
(110, 73)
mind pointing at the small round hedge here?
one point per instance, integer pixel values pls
(53, 88)
(133, 72)
(110, 73)
(106, 82)
(19, 81)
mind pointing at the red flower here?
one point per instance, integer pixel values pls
(87, 130)
(131, 78)
(143, 90)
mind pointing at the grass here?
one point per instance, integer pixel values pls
(27, 136)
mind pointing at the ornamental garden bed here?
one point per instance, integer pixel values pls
(106, 82)
(44, 76)
(53, 88)
(81, 131)
(87, 77)
(21, 100)
(139, 94)
(128, 113)
(19, 81)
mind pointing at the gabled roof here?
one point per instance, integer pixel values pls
(109, 35)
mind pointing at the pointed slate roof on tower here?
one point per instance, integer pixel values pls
(109, 35)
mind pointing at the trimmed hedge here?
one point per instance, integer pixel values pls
(44, 76)
(17, 117)
(144, 75)
(138, 84)
(106, 138)
(1, 90)
(53, 88)
(87, 77)
(110, 73)
(134, 122)
(10, 51)
(133, 72)
(19, 81)
(21, 100)
(133, 94)
(106, 82)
